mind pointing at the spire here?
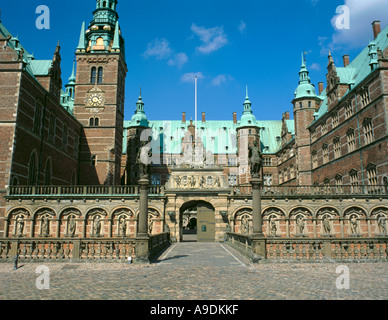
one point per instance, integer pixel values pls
(247, 103)
(116, 39)
(140, 105)
(81, 44)
(304, 73)
(72, 77)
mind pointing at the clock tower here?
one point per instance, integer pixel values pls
(99, 96)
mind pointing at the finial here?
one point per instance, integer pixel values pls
(246, 89)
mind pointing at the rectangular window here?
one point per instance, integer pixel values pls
(315, 159)
(325, 152)
(267, 162)
(351, 140)
(335, 120)
(339, 183)
(337, 147)
(365, 98)
(155, 179)
(232, 179)
(93, 75)
(368, 131)
(372, 178)
(100, 73)
(348, 110)
(354, 181)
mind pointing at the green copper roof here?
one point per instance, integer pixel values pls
(169, 135)
(41, 67)
(247, 119)
(305, 88)
(356, 71)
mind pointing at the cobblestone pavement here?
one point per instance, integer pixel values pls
(195, 271)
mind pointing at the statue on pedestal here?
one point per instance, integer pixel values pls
(255, 158)
(144, 161)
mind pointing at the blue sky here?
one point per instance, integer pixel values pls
(228, 43)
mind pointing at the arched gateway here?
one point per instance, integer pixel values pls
(198, 221)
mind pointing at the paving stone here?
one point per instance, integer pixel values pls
(202, 275)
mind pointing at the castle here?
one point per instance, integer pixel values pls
(76, 135)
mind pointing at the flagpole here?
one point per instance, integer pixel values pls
(196, 108)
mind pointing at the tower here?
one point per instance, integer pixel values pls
(139, 122)
(306, 103)
(99, 96)
(247, 132)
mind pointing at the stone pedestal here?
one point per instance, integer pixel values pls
(259, 251)
(143, 238)
(143, 209)
(257, 217)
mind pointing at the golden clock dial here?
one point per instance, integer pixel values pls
(95, 100)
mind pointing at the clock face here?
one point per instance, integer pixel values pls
(95, 100)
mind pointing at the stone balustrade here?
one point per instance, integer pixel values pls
(77, 250)
(311, 191)
(319, 249)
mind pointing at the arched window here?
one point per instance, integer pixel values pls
(93, 75)
(94, 122)
(100, 73)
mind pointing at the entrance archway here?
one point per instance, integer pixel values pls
(197, 220)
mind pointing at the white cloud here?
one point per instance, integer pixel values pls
(161, 50)
(361, 14)
(178, 60)
(190, 77)
(221, 79)
(315, 66)
(212, 38)
(158, 48)
(242, 27)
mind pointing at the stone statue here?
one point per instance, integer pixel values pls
(354, 224)
(326, 225)
(45, 226)
(218, 182)
(245, 225)
(122, 227)
(144, 161)
(97, 226)
(381, 222)
(19, 226)
(255, 160)
(300, 221)
(273, 226)
(71, 226)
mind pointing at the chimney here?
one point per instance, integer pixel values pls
(320, 85)
(376, 28)
(287, 115)
(346, 60)
(234, 117)
(203, 116)
(184, 117)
